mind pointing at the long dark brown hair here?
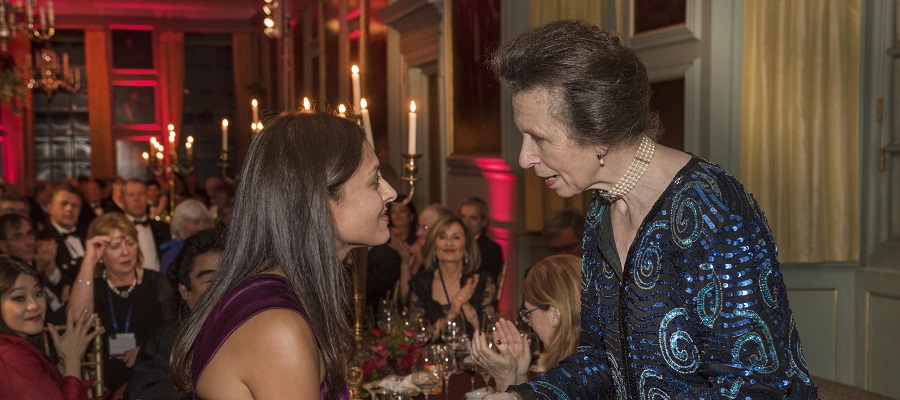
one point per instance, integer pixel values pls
(282, 219)
(10, 269)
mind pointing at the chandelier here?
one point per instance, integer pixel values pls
(11, 22)
(272, 18)
(49, 75)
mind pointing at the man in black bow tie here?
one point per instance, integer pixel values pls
(151, 233)
(63, 227)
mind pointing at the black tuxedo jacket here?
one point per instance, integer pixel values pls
(68, 265)
(491, 256)
(161, 234)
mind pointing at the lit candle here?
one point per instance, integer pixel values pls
(65, 64)
(306, 106)
(171, 127)
(29, 13)
(412, 127)
(189, 148)
(355, 77)
(146, 158)
(255, 106)
(43, 16)
(367, 124)
(342, 111)
(224, 135)
(50, 11)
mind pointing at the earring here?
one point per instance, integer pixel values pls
(465, 259)
(600, 157)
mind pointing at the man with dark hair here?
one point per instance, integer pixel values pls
(192, 271)
(63, 227)
(474, 213)
(92, 202)
(562, 232)
(151, 233)
(39, 202)
(11, 203)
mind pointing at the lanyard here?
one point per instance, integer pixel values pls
(447, 294)
(112, 311)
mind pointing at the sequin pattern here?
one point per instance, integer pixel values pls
(698, 311)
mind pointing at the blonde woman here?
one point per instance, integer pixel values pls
(551, 290)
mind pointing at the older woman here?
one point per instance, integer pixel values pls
(190, 217)
(449, 284)
(128, 298)
(272, 324)
(681, 296)
(552, 305)
(24, 372)
(384, 261)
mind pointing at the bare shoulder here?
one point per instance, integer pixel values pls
(273, 354)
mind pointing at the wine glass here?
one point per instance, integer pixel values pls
(386, 316)
(421, 330)
(452, 333)
(467, 364)
(426, 373)
(447, 363)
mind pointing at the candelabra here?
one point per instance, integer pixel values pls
(48, 71)
(171, 166)
(9, 24)
(410, 170)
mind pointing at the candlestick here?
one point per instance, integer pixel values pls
(50, 11)
(29, 13)
(342, 111)
(355, 78)
(412, 127)
(255, 107)
(189, 149)
(225, 135)
(367, 123)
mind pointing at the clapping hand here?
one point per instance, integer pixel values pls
(509, 364)
(72, 344)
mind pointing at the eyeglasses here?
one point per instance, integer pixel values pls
(22, 235)
(525, 315)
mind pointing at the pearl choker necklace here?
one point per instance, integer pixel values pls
(121, 293)
(638, 166)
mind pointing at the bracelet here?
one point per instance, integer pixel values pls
(85, 282)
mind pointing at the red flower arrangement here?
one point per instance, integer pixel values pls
(388, 353)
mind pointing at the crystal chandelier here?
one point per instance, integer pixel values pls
(49, 75)
(11, 22)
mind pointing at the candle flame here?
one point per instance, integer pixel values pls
(171, 127)
(153, 140)
(362, 103)
(145, 155)
(412, 106)
(159, 155)
(254, 103)
(354, 69)
(190, 139)
(188, 145)
(225, 123)
(342, 109)
(306, 105)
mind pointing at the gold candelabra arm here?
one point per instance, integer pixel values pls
(410, 170)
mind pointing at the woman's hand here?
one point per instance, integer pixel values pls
(465, 293)
(501, 365)
(94, 248)
(507, 335)
(72, 344)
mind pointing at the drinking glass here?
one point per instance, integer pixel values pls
(452, 333)
(426, 374)
(386, 317)
(421, 329)
(447, 363)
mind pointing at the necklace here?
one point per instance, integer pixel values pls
(634, 173)
(121, 293)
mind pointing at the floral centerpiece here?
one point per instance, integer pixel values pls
(388, 351)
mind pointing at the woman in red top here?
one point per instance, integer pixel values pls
(24, 372)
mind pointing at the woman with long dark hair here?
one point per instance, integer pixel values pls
(274, 323)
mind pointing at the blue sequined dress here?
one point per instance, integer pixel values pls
(700, 310)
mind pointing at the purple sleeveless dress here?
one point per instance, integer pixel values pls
(253, 296)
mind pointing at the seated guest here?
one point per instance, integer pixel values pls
(427, 218)
(157, 201)
(63, 228)
(448, 287)
(190, 217)
(113, 202)
(18, 239)
(12, 203)
(474, 212)
(39, 203)
(552, 293)
(193, 271)
(383, 262)
(24, 372)
(151, 233)
(562, 232)
(92, 201)
(128, 298)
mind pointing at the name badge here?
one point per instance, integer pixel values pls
(120, 343)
